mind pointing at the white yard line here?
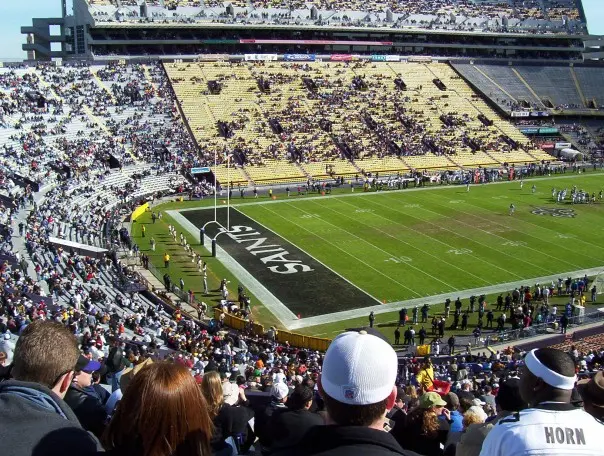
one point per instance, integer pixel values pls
(490, 233)
(577, 239)
(351, 255)
(309, 255)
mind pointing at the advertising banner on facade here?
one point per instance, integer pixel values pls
(341, 57)
(260, 57)
(299, 57)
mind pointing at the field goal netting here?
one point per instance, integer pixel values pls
(599, 283)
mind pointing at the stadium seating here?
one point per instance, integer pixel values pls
(540, 88)
(591, 81)
(585, 345)
(378, 126)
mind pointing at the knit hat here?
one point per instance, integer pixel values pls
(359, 369)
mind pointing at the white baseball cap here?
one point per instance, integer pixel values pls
(279, 391)
(359, 369)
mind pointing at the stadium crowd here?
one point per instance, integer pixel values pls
(87, 367)
(354, 399)
(532, 16)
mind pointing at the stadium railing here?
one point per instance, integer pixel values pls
(282, 336)
(513, 335)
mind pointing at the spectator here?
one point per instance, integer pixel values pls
(162, 413)
(422, 432)
(508, 402)
(456, 426)
(425, 376)
(488, 397)
(99, 392)
(546, 383)
(289, 426)
(279, 393)
(116, 364)
(4, 368)
(592, 392)
(83, 401)
(474, 415)
(35, 420)
(358, 388)
(399, 411)
(7, 346)
(230, 391)
(229, 421)
(127, 376)
(466, 394)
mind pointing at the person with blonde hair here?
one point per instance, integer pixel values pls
(229, 421)
(474, 415)
(162, 413)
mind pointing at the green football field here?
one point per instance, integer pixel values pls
(410, 244)
(402, 245)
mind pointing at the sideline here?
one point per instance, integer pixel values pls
(291, 199)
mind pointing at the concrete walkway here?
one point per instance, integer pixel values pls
(159, 285)
(19, 241)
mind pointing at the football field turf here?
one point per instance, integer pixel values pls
(402, 247)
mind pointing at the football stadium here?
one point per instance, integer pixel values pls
(281, 211)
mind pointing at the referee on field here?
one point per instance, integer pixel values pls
(551, 425)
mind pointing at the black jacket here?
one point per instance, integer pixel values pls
(34, 421)
(262, 419)
(229, 422)
(344, 441)
(287, 427)
(88, 409)
(116, 361)
(408, 434)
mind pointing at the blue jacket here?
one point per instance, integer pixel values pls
(457, 424)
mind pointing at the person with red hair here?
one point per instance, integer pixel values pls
(162, 413)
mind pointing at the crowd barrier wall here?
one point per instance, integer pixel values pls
(294, 339)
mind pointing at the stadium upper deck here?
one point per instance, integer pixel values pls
(513, 29)
(469, 15)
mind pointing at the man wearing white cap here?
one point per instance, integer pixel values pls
(358, 387)
(551, 425)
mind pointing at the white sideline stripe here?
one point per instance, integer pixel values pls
(435, 299)
(278, 309)
(373, 193)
